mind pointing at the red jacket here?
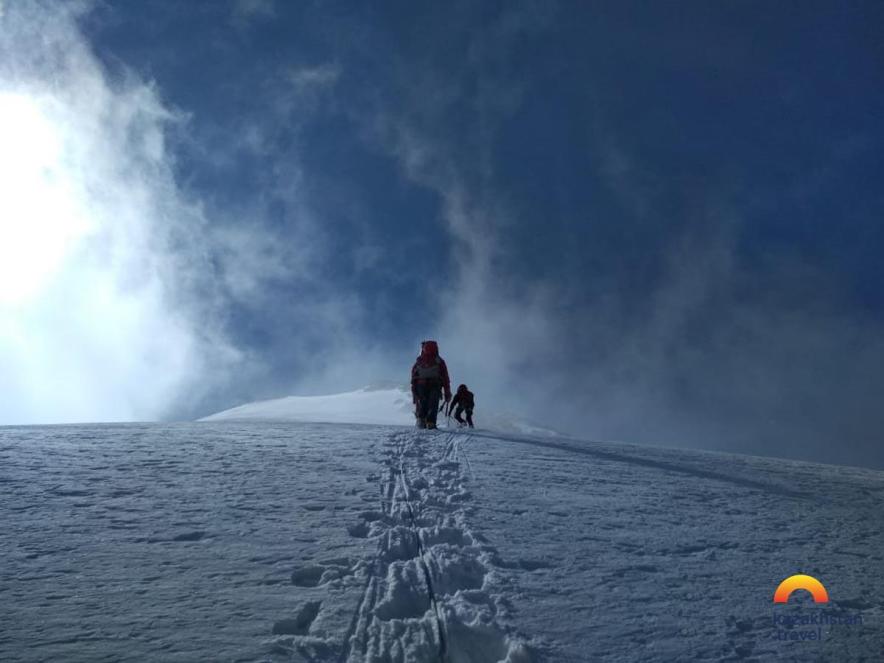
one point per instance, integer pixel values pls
(430, 369)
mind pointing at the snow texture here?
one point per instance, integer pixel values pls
(284, 541)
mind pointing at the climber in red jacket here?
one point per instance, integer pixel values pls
(429, 382)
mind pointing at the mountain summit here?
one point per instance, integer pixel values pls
(382, 403)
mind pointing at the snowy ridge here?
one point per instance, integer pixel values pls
(369, 405)
(430, 592)
(383, 404)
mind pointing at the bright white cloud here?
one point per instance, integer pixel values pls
(98, 314)
(42, 212)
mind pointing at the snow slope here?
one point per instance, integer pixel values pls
(283, 541)
(385, 405)
(382, 404)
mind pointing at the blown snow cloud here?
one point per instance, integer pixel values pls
(758, 356)
(93, 235)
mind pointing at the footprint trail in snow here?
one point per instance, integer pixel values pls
(430, 593)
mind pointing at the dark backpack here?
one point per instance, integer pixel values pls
(428, 371)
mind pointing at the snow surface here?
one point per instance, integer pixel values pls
(286, 541)
(382, 404)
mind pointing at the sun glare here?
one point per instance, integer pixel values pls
(41, 210)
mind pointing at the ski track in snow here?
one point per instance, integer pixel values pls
(271, 542)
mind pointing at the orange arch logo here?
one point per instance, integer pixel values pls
(800, 581)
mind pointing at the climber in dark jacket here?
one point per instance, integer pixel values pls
(463, 401)
(429, 380)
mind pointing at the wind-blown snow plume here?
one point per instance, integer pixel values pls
(712, 352)
(100, 253)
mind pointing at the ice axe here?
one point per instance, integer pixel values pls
(447, 411)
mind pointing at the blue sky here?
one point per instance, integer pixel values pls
(657, 222)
